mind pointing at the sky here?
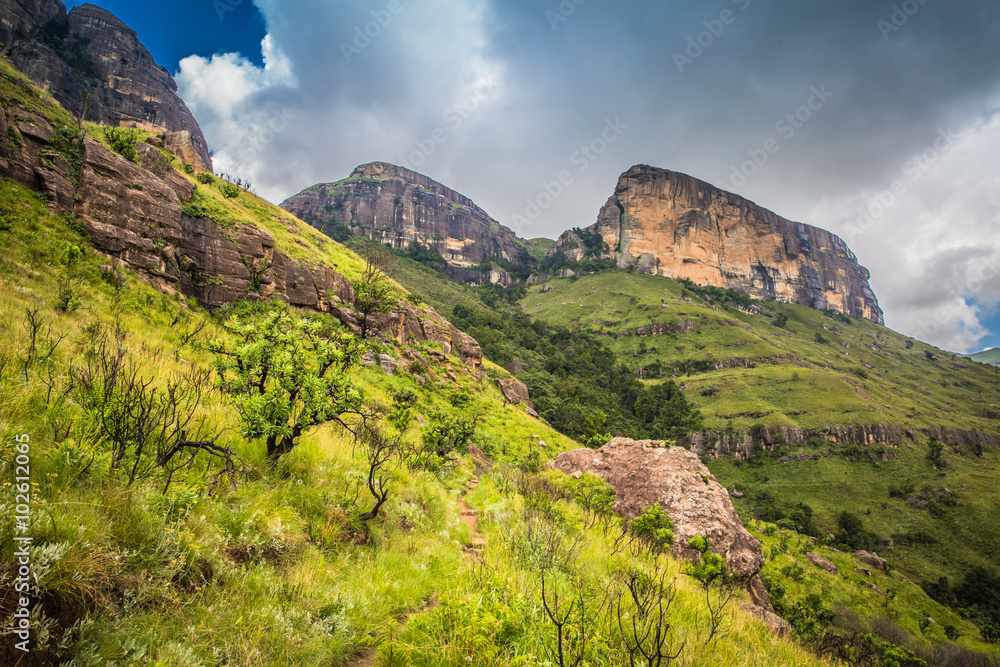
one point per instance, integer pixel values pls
(877, 121)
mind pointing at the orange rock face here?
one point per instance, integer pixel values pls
(670, 224)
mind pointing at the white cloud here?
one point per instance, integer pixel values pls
(223, 94)
(934, 249)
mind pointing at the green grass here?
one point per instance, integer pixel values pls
(903, 387)
(991, 357)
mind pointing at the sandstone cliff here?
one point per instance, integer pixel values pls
(91, 51)
(665, 223)
(397, 206)
(135, 214)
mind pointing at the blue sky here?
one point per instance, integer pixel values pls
(885, 114)
(179, 28)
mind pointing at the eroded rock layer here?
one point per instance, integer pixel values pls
(665, 223)
(90, 51)
(394, 205)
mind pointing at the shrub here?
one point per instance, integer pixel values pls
(123, 141)
(653, 528)
(188, 168)
(781, 321)
(205, 178)
(229, 191)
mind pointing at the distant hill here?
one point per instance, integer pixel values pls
(399, 207)
(990, 356)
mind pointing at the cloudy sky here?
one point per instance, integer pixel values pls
(878, 121)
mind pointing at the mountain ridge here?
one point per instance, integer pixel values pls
(398, 206)
(663, 222)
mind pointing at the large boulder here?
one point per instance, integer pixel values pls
(646, 472)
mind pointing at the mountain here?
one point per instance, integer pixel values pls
(90, 51)
(132, 293)
(991, 356)
(664, 223)
(397, 206)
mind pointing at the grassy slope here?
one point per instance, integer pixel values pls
(904, 388)
(991, 356)
(280, 571)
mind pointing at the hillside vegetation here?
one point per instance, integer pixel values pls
(165, 531)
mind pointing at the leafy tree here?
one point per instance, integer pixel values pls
(936, 449)
(708, 571)
(373, 292)
(287, 376)
(445, 434)
(853, 534)
(781, 321)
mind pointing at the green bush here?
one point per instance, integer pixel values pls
(229, 191)
(654, 528)
(123, 141)
(205, 178)
(188, 168)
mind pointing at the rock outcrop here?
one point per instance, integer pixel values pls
(644, 472)
(879, 564)
(821, 562)
(134, 214)
(91, 51)
(516, 393)
(394, 205)
(665, 223)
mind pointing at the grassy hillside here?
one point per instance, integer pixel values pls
(142, 558)
(991, 357)
(862, 374)
(282, 568)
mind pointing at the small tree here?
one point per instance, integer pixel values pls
(653, 528)
(373, 292)
(287, 376)
(709, 570)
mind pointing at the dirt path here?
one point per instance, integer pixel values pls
(470, 518)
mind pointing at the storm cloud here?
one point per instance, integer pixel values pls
(815, 110)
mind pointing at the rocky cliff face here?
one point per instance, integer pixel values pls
(669, 224)
(394, 205)
(91, 51)
(134, 214)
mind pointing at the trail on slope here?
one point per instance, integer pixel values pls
(470, 518)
